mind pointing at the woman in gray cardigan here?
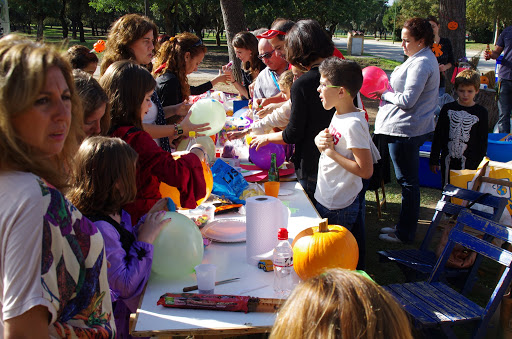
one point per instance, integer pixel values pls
(406, 119)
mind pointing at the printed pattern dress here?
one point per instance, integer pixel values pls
(74, 270)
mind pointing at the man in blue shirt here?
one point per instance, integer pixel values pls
(504, 45)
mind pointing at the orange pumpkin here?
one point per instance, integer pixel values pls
(172, 192)
(319, 248)
(484, 80)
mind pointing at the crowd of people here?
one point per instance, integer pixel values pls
(82, 160)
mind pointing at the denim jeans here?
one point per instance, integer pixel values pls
(404, 153)
(351, 218)
(505, 106)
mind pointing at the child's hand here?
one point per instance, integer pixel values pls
(434, 168)
(259, 141)
(152, 227)
(324, 140)
(237, 134)
(220, 78)
(160, 205)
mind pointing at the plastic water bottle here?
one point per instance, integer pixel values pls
(283, 265)
(191, 140)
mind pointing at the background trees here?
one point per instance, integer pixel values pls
(484, 19)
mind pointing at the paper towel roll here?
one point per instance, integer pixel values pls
(264, 216)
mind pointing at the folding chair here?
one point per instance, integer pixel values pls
(433, 304)
(417, 264)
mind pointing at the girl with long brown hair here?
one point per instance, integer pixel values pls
(177, 58)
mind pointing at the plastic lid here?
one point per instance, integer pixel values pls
(282, 234)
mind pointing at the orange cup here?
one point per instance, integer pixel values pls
(272, 188)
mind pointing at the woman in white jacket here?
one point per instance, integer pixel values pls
(406, 119)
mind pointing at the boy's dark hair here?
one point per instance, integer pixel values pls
(80, 56)
(283, 25)
(126, 85)
(306, 42)
(468, 77)
(420, 28)
(344, 73)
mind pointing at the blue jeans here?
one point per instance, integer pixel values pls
(404, 153)
(505, 106)
(352, 218)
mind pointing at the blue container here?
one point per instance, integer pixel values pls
(238, 104)
(498, 150)
(497, 67)
(427, 178)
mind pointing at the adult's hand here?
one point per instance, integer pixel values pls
(237, 134)
(187, 126)
(259, 141)
(266, 110)
(434, 168)
(220, 78)
(378, 94)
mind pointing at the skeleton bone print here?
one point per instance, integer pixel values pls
(461, 123)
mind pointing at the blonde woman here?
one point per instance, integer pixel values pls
(62, 288)
(340, 304)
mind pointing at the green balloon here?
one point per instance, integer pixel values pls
(178, 248)
(208, 111)
(207, 142)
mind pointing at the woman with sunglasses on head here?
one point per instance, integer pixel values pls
(177, 58)
(245, 45)
(133, 37)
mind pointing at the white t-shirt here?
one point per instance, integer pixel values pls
(336, 187)
(49, 254)
(266, 84)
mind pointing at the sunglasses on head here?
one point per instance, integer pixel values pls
(267, 55)
(198, 43)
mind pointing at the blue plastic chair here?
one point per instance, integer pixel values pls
(431, 303)
(417, 264)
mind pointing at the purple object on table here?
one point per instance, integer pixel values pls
(262, 157)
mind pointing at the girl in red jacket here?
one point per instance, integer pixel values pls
(129, 88)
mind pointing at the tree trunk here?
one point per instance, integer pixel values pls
(81, 29)
(170, 13)
(496, 31)
(217, 37)
(453, 11)
(234, 22)
(40, 28)
(73, 30)
(63, 21)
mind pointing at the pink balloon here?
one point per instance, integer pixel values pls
(262, 157)
(374, 80)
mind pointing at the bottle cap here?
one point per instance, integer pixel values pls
(192, 134)
(282, 234)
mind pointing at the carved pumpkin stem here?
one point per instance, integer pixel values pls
(323, 227)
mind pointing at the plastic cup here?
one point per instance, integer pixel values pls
(272, 188)
(205, 275)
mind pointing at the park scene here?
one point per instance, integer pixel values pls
(256, 169)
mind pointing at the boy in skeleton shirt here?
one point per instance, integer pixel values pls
(460, 138)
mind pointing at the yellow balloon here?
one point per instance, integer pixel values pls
(211, 111)
(178, 248)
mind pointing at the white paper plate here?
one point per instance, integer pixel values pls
(225, 230)
(284, 191)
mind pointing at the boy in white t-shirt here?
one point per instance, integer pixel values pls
(345, 148)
